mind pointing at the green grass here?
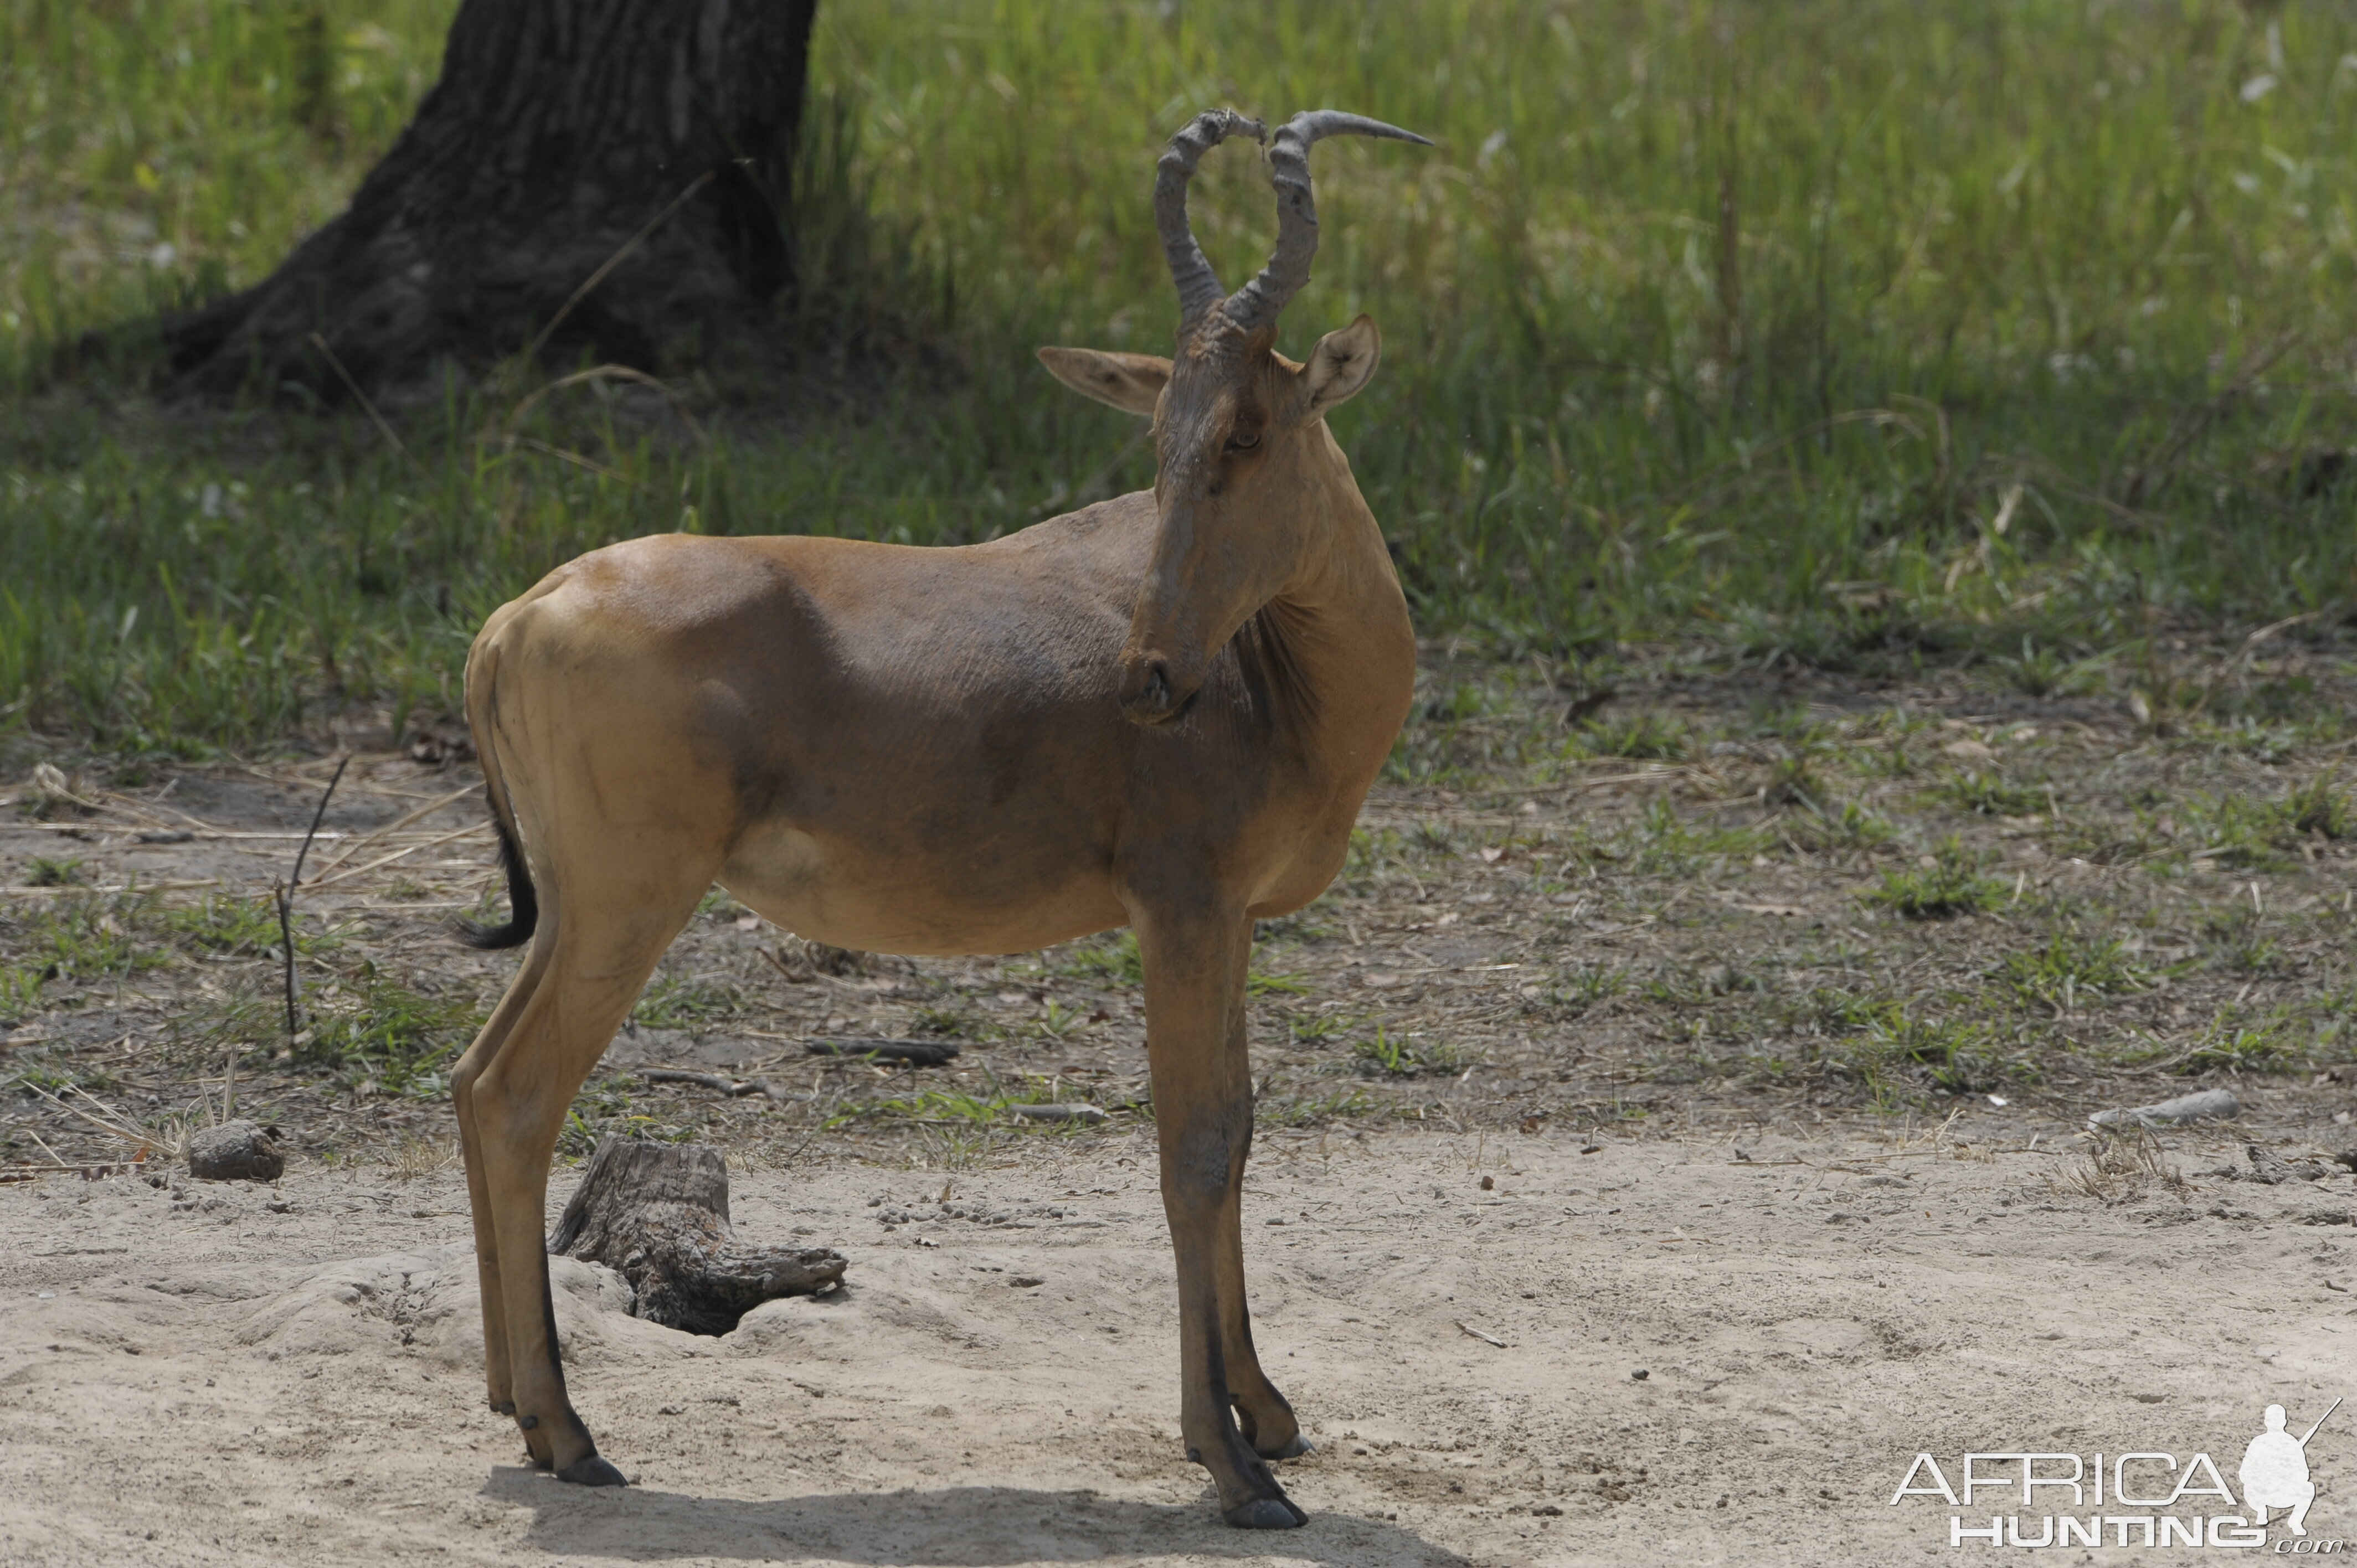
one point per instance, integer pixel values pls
(20, 993)
(2248, 834)
(404, 1040)
(937, 1107)
(42, 871)
(1663, 842)
(2278, 1042)
(675, 1002)
(1573, 991)
(1110, 960)
(1896, 1059)
(1850, 335)
(2075, 969)
(1645, 736)
(1943, 884)
(1387, 1055)
(1989, 794)
(1318, 1028)
(225, 923)
(1826, 830)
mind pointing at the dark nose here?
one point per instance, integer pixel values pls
(1147, 696)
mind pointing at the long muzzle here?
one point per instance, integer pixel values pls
(1152, 693)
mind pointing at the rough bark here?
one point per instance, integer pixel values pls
(559, 130)
(658, 1215)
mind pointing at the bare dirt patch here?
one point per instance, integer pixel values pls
(1891, 942)
(290, 1374)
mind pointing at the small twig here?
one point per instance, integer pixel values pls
(324, 880)
(728, 1086)
(1485, 1338)
(916, 1053)
(616, 260)
(287, 921)
(779, 965)
(321, 343)
(721, 1081)
(358, 841)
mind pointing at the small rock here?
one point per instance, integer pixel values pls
(2268, 1168)
(236, 1151)
(2210, 1104)
(1641, 1374)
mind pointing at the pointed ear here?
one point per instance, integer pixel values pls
(1131, 383)
(1342, 363)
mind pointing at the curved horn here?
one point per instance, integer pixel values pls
(1199, 285)
(1258, 303)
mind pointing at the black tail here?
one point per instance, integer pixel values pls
(522, 899)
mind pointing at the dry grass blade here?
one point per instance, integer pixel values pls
(352, 846)
(382, 861)
(616, 260)
(577, 460)
(171, 1141)
(415, 1157)
(601, 373)
(353, 387)
(2120, 1169)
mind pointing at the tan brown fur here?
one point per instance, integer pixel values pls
(1163, 712)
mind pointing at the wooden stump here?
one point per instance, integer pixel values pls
(658, 1215)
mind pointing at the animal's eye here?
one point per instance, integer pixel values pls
(1243, 440)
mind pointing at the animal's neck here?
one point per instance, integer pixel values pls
(1338, 627)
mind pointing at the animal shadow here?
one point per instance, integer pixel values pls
(952, 1526)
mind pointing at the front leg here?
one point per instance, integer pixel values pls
(1203, 1114)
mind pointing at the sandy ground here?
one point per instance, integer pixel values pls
(1704, 1357)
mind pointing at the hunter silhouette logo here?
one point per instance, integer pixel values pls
(2131, 1497)
(2274, 1471)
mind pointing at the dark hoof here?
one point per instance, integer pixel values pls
(1295, 1449)
(1268, 1513)
(593, 1471)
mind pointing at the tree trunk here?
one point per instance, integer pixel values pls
(658, 1215)
(559, 130)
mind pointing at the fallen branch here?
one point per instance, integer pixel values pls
(736, 1088)
(658, 1214)
(915, 1053)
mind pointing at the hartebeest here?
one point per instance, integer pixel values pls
(1162, 711)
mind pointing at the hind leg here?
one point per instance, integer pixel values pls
(480, 1055)
(604, 934)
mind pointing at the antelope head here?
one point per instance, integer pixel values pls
(1245, 473)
